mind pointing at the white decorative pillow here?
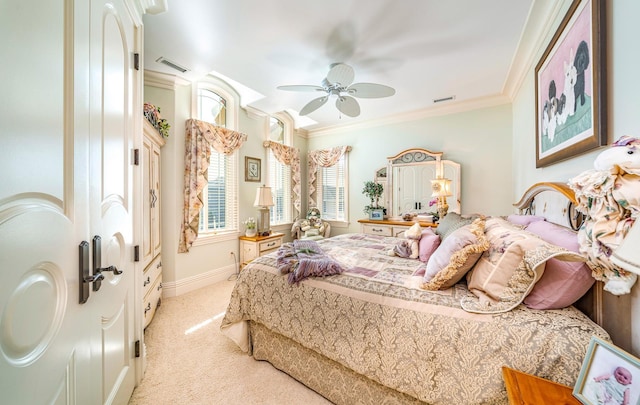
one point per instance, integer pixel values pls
(507, 272)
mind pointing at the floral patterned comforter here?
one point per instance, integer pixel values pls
(375, 320)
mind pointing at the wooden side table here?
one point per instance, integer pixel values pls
(527, 389)
(252, 247)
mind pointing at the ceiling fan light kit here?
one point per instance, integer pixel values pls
(338, 81)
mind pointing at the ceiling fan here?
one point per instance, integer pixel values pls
(337, 82)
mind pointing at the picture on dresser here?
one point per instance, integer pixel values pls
(609, 375)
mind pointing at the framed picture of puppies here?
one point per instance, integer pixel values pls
(570, 86)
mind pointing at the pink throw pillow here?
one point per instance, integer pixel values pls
(562, 283)
(429, 242)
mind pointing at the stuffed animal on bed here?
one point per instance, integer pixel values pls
(408, 247)
(609, 196)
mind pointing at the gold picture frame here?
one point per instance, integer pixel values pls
(252, 169)
(570, 86)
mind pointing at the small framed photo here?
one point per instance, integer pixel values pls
(252, 169)
(376, 214)
(609, 375)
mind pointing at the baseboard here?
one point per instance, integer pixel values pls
(183, 286)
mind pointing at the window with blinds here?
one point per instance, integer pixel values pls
(332, 191)
(280, 183)
(220, 203)
(279, 176)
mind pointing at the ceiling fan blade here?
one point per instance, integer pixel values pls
(300, 87)
(370, 90)
(314, 105)
(341, 73)
(348, 106)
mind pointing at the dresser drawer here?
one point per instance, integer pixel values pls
(152, 300)
(269, 245)
(398, 231)
(376, 230)
(150, 275)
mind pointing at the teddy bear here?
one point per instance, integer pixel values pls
(408, 247)
(609, 197)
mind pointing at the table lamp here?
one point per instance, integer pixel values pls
(264, 200)
(441, 188)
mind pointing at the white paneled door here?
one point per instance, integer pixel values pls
(67, 135)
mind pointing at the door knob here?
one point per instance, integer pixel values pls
(97, 259)
(84, 269)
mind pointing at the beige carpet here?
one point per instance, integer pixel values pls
(189, 361)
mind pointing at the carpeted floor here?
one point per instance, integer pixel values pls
(189, 361)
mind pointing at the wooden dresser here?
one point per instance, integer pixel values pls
(389, 228)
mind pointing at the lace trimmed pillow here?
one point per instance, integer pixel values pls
(455, 256)
(509, 269)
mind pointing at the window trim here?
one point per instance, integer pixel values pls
(336, 222)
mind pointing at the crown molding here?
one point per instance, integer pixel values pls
(456, 107)
(542, 20)
(163, 80)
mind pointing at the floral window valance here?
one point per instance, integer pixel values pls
(288, 156)
(322, 158)
(200, 137)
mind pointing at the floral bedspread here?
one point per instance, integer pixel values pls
(374, 319)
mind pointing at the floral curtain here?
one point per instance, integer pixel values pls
(199, 139)
(288, 156)
(322, 158)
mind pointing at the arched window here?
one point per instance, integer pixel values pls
(219, 213)
(279, 175)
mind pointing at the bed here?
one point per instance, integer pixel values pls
(373, 334)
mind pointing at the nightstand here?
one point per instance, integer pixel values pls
(252, 247)
(527, 389)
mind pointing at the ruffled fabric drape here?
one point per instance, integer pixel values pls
(200, 137)
(611, 201)
(322, 158)
(288, 156)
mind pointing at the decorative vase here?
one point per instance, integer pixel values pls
(251, 232)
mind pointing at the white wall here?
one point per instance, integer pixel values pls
(622, 114)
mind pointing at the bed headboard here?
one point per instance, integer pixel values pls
(556, 202)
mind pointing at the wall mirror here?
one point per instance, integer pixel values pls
(407, 181)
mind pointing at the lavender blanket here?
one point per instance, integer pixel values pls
(304, 258)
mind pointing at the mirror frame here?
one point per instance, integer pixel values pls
(419, 156)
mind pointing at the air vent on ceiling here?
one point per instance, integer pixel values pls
(172, 65)
(440, 100)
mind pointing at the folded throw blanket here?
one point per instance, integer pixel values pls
(304, 258)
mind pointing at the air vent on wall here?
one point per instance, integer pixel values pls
(172, 65)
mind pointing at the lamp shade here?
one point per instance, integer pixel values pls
(264, 198)
(441, 187)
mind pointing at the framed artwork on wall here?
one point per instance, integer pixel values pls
(570, 86)
(608, 375)
(252, 169)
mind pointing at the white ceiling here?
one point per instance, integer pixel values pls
(425, 49)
